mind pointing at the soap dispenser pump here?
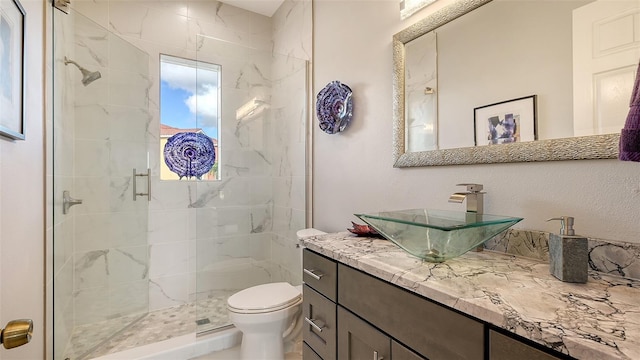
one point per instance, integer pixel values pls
(568, 253)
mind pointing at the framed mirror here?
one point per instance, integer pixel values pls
(549, 79)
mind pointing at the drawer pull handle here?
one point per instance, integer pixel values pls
(376, 357)
(313, 274)
(313, 324)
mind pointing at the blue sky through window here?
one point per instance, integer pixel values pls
(189, 94)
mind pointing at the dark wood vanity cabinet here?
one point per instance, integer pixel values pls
(350, 315)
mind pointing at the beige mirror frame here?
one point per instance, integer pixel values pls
(577, 148)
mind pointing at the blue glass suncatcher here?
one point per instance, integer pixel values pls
(334, 107)
(189, 154)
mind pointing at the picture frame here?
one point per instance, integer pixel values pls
(12, 35)
(506, 122)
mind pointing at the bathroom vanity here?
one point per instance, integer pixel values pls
(365, 298)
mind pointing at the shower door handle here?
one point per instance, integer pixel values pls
(135, 179)
(68, 201)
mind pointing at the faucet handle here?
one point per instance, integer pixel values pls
(472, 187)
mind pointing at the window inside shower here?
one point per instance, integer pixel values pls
(189, 119)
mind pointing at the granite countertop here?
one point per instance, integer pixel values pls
(596, 320)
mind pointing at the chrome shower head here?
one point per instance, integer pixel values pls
(87, 76)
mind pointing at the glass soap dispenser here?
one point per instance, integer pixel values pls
(568, 253)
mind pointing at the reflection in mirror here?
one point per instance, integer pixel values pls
(421, 97)
(410, 7)
(479, 63)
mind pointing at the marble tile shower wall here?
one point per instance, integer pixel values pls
(233, 249)
(110, 228)
(291, 37)
(209, 236)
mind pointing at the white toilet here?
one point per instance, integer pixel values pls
(268, 315)
(265, 314)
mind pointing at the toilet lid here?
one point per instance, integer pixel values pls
(264, 298)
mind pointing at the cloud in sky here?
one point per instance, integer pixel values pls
(205, 105)
(201, 84)
(186, 76)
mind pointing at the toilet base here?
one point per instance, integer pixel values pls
(262, 347)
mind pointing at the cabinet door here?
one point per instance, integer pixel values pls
(502, 347)
(319, 328)
(358, 340)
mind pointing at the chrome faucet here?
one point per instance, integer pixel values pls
(475, 201)
(474, 196)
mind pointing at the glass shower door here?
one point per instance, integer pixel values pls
(100, 121)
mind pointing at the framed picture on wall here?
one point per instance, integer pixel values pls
(12, 24)
(506, 122)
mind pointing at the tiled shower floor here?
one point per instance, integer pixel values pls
(149, 328)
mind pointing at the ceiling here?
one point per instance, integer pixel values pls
(263, 7)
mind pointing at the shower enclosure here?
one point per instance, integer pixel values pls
(131, 270)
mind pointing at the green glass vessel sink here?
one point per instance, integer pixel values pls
(437, 235)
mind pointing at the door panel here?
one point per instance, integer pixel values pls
(606, 48)
(358, 340)
(22, 200)
(319, 329)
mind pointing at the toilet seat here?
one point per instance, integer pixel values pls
(264, 298)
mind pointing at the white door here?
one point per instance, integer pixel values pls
(22, 202)
(606, 50)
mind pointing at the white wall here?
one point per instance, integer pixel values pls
(353, 171)
(22, 220)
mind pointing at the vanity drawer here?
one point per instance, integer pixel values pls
(319, 327)
(502, 347)
(319, 273)
(430, 329)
